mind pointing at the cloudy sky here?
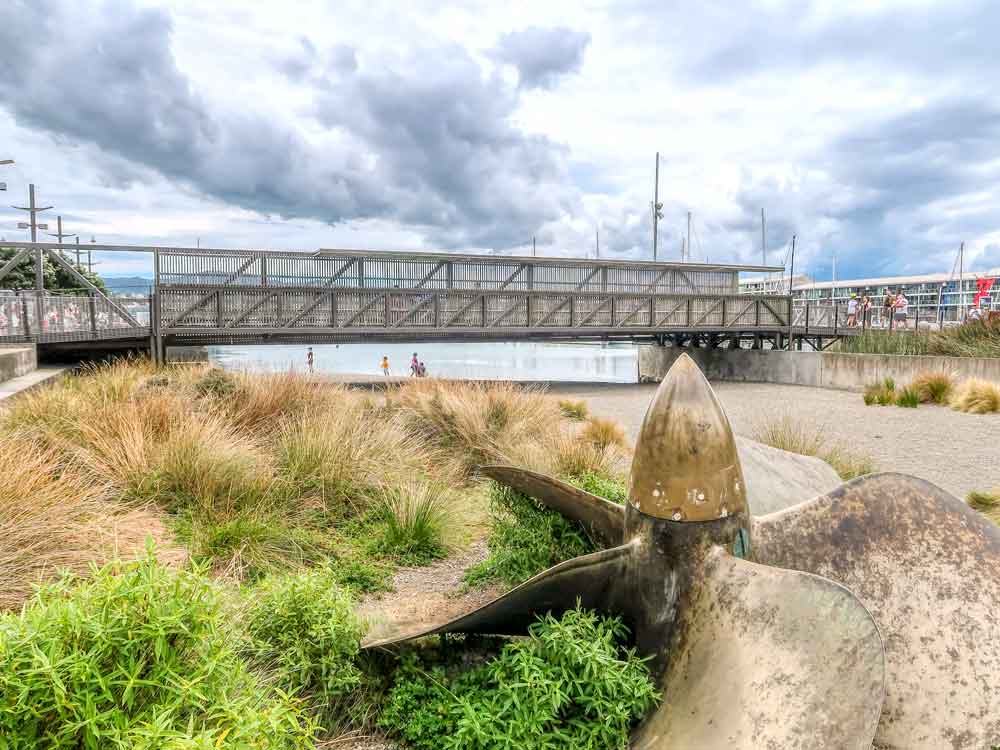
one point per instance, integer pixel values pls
(870, 129)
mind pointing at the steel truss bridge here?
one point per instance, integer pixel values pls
(202, 297)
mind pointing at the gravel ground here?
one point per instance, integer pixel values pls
(956, 451)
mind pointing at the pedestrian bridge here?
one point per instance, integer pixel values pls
(200, 296)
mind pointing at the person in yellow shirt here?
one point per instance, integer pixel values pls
(385, 366)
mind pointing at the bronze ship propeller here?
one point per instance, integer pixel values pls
(870, 614)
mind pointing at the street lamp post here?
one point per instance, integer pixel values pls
(59, 234)
(32, 210)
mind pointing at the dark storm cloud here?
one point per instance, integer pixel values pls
(443, 138)
(543, 55)
(424, 141)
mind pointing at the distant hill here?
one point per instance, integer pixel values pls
(128, 284)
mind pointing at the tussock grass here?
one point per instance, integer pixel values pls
(415, 517)
(603, 433)
(574, 409)
(975, 339)
(908, 398)
(933, 387)
(476, 422)
(53, 517)
(797, 436)
(976, 396)
(987, 503)
(882, 394)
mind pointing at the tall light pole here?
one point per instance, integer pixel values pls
(32, 210)
(60, 234)
(657, 206)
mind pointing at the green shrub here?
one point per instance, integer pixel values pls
(137, 655)
(570, 685)
(525, 539)
(577, 410)
(889, 384)
(908, 398)
(601, 485)
(302, 629)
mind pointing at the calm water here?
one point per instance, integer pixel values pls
(609, 363)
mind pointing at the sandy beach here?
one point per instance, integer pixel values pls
(956, 451)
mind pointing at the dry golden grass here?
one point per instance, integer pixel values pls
(55, 518)
(260, 402)
(603, 433)
(976, 396)
(475, 422)
(574, 409)
(350, 455)
(933, 387)
(797, 436)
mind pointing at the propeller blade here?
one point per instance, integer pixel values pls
(602, 519)
(765, 658)
(777, 479)
(928, 568)
(595, 580)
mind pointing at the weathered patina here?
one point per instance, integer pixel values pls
(790, 630)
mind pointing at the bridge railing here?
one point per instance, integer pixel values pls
(43, 318)
(433, 271)
(277, 310)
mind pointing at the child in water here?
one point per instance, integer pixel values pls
(385, 366)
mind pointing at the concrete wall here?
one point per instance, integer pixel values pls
(820, 369)
(16, 361)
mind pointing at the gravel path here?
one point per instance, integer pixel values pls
(956, 451)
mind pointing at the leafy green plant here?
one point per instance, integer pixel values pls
(889, 384)
(301, 628)
(610, 488)
(525, 539)
(571, 409)
(138, 655)
(908, 398)
(883, 394)
(530, 696)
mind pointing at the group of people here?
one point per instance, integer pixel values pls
(895, 308)
(417, 368)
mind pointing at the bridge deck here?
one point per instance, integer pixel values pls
(246, 296)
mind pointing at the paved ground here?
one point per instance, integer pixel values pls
(14, 386)
(954, 450)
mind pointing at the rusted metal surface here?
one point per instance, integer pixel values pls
(928, 568)
(747, 656)
(593, 580)
(767, 658)
(686, 467)
(602, 519)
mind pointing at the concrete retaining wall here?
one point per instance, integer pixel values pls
(16, 361)
(820, 369)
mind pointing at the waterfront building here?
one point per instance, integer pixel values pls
(929, 294)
